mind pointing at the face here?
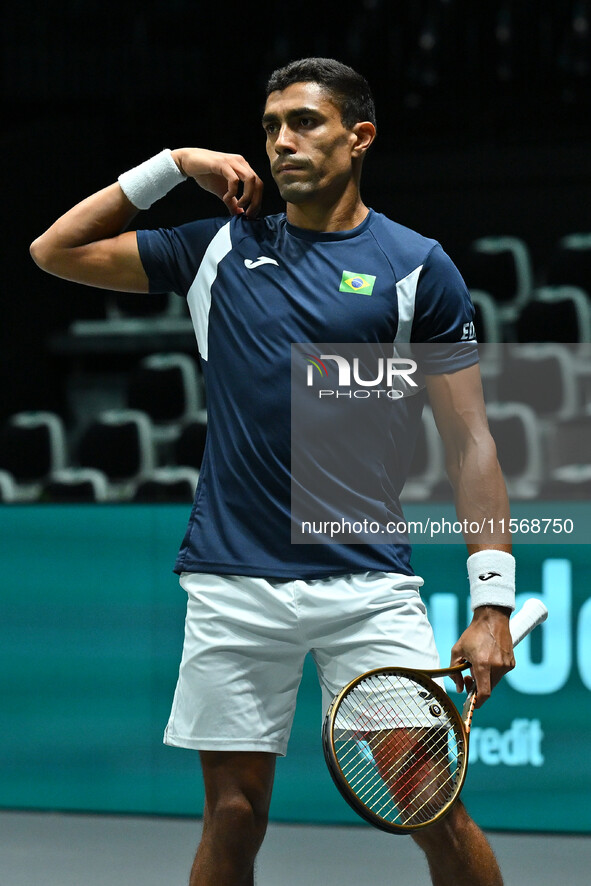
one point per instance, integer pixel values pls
(309, 149)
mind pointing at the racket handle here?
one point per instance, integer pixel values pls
(532, 613)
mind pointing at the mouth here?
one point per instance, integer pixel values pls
(287, 167)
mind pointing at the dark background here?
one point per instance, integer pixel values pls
(483, 125)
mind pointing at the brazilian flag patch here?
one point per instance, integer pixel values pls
(351, 282)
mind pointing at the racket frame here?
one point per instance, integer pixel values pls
(425, 679)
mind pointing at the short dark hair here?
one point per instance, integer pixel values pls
(350, 90)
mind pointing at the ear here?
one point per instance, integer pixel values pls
(365, 133)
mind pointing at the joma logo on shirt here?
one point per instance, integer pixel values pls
(251, 264)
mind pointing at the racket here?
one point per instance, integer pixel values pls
(395, 744)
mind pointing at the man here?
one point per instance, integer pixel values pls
(256, 603)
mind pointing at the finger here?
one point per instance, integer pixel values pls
(252, 194)
(460, 684)
(463, 682)
(483, 685)
(458, 679)
(242, 169)
(230, 198)
(232, 182)
(255, 206)
(232, 205)
(252, 206)
(457, 658)
(247, 177)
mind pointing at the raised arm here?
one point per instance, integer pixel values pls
(86, 244)
(481, 498)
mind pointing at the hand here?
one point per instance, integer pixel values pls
(221, 174)
(486, 644)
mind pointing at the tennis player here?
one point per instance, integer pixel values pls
(327, 269)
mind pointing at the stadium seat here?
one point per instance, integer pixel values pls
(500, 266)
(76, 485)
(171, 484)
(570, 262)
(8, 488)
(32, 445)
(168, 388)
(541, 376)
(486, 318)
(489, 334)
(132, 304)
(516, 432)
(190, 446)
(555, 314)
(568, 473)
(119, 442)
(130, 319)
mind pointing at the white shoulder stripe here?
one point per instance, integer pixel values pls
(199, 295)
(406, 290)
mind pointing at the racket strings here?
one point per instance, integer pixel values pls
(416, 765)
(405, 771)
(398, 749)
(406, 758)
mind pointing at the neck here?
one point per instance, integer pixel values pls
(346, 213)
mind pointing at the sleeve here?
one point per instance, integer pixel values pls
(171, 256)
(443, 325)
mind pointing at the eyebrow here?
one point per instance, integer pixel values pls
(294, 112)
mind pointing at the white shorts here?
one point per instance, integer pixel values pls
(246, 639)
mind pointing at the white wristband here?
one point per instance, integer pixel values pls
(151, 180)
(492, 579)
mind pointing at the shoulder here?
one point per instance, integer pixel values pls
(406, 249)
(171, 256)
(189, 237)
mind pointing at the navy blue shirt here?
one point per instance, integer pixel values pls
(254, 287)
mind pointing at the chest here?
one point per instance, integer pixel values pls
(300, 291)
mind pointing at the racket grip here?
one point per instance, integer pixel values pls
(532, 613)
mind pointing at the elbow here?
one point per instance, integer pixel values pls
(472, 461)
(41, 254)
(37, 252)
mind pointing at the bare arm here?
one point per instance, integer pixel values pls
(86, 244)
(480, 494)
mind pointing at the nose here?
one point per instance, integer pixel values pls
(284, 141)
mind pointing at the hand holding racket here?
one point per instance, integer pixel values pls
(396, 745)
